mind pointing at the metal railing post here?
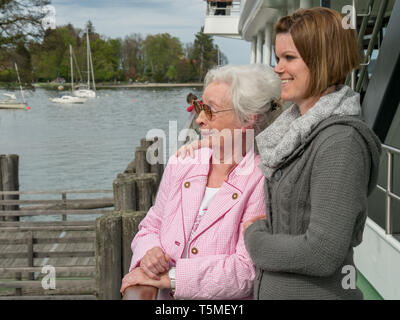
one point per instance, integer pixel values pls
(389, 227)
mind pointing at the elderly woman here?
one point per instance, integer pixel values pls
(190, 244)
(320, 161)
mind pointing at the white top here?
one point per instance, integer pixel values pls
(208, 196)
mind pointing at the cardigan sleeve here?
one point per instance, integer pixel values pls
(338, 196)
(148, 235)
(222, 276)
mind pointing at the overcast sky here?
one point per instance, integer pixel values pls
(118, 18)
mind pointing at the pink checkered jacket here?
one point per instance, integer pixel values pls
(218, 265)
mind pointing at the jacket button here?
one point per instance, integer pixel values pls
(278, 175)
(195, 251)
(234, 196)
(187, 184)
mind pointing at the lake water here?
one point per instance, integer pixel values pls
(84, 146)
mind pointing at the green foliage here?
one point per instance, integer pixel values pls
(205, 53)
(161, 51)
(157, 58)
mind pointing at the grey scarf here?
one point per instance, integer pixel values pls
(291, 129)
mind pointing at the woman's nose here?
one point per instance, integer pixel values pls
(279, 68)
(200, 117)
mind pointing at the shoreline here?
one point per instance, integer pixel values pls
(54, 86)
(122, 86)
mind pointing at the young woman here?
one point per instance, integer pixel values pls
(320, 161)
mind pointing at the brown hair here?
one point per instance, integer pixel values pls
(329, 50)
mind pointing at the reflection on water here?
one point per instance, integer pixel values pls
(70, 147)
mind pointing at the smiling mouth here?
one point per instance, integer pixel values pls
(286, 81)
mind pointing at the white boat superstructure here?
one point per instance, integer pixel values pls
(87, 92)
(68, 99)
(84, 93)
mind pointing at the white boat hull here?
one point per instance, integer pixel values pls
(68, 100)
(84, 93)
(11, 105)
(378, 259)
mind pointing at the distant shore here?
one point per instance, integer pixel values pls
(54, 86)
(121, 85)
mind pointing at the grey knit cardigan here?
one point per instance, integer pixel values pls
(316, 196)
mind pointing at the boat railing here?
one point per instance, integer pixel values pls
(390, 152)
(232, 8)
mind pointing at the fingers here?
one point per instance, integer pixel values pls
(190, 148)
(150, 274)
(129, 280)
(155, 262)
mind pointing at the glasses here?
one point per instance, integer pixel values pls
(201, 106)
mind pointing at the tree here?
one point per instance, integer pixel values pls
(132, 56)
(51, 59)
(161, 51)
(20, 20)
(205, 53)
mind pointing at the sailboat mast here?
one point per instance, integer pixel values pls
(90, 62)
(19, 80)
(87, 55)
(91, 65)
(72, 69)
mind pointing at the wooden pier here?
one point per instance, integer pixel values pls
(84, 234)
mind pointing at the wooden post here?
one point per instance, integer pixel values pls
(109, 256)
(124, 193)
(130, 226)
(29, 251)
(158, 169)
(142, 166)
(145, 191)
(64, 204)
(9, 181)
(146, 143)
(18, 277)
(131, 168)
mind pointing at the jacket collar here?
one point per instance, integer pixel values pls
(193, 188)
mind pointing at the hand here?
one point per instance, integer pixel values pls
(195, 145)
(138, 277)
(155, 262)
(249, 222)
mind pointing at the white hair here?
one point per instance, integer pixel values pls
(253, 88)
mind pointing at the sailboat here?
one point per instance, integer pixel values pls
(68, 99)
(87, 92)
(10, 101)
